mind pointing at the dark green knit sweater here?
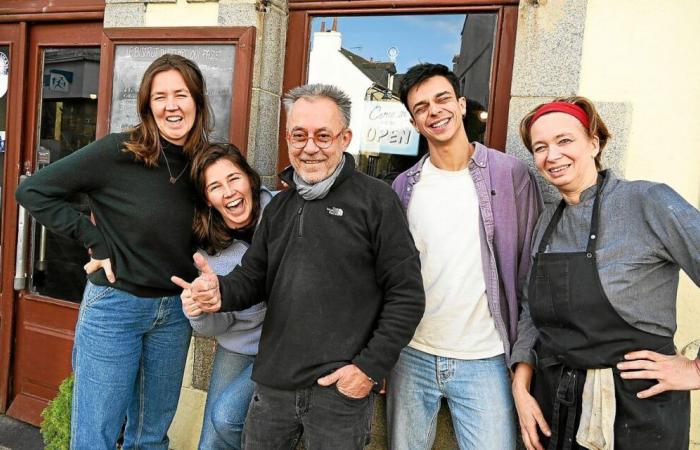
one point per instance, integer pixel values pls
(143, 222)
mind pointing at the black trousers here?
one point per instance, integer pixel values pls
(321, 416)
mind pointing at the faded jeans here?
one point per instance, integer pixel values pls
(478, 394)
(128, 360)
(321, 416)
(228, 397)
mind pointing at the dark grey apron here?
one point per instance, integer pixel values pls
(580, 330)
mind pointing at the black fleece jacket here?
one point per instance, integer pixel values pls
(342, 279)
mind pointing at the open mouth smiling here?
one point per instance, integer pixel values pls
(440, 124)
(558, 169)
(235, 203)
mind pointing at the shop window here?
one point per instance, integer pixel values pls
(367, 56)
(369, 45)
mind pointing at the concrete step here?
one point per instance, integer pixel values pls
(16, 435)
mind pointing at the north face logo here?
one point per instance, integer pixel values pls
(335, 211)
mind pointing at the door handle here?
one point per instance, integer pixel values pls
(20, 281)
(41, 264)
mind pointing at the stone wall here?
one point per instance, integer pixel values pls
(548, 50)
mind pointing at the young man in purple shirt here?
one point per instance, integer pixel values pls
(471, 210)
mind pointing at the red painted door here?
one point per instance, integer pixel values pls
(60, 116)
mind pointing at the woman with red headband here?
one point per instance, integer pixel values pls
(598, 316)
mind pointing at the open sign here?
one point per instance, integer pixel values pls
(387, 129)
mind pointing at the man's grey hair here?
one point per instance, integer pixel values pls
(320, 90)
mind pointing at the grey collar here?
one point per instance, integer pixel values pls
(317, 191)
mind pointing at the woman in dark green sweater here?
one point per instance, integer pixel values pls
(131, 338)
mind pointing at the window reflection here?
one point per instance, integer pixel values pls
(67, 123)
(367, 56)
(472, 65)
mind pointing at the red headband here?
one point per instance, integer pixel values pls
(562, 107)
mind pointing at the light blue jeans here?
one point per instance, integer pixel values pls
(478, 394)
(230, 391)
(128, 360)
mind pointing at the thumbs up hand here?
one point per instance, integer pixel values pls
(204, 290)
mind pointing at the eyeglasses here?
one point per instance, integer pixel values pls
(299, 138)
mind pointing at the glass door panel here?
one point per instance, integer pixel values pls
(4, 85)
(366, 56)
(68, 118)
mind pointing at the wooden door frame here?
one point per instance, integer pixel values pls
(302, 12)
(15, 36)
(62, 35)
(14, 31)
(23, 117)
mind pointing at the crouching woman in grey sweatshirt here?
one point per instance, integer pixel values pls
(227, 211)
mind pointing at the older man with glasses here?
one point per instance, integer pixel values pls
(335, 261)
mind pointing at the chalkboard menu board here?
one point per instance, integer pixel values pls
(216, 61)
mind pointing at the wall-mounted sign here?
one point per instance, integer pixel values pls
(387, 129)
(216, 61)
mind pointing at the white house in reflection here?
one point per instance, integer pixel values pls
(360, 78)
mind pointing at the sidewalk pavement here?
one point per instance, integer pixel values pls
(16, 435)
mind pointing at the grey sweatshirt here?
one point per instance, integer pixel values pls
(236, 331)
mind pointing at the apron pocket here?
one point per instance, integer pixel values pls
(660, 422)
(542, 305)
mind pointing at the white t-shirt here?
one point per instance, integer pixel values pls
(443, 216)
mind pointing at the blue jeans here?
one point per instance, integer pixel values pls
(478, 394)
(128, 360)
(321, 416)
(230, 391)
